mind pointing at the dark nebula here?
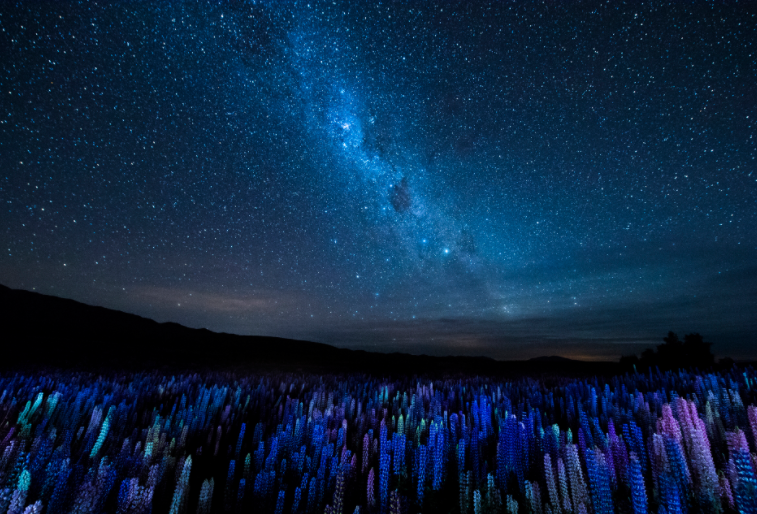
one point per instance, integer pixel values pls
(400, 196)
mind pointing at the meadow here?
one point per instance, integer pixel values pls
(228, 442)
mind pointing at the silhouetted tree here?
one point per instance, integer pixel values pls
(692, 352)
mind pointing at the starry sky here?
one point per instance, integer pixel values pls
(509, 179)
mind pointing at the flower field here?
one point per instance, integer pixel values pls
(140, 443)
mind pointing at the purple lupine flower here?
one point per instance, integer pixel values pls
(575, 474)
(549, 474)
(371, 490)
(726, 493)
(366, 451)
(339, 493)
(563, 480)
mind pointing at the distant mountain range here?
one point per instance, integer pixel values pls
(38, 329)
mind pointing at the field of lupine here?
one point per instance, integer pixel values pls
(674, 442)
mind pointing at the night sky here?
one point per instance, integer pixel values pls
(504, 179)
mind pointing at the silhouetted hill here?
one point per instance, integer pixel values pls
(552, 358)
(39, 329)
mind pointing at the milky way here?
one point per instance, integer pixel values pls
(506, 179)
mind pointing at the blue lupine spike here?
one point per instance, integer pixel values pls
(123, 492)
(671, 497)
(461, 456)
(280, 502)
(677, 463)
(421, 474)
(439, 447)
(397, 453)
(239, 440)
(61, 490)
(384, 481)
(746, 489)
(312, 495)
(240, 495)
(230, 490)
(475, 461)
(296, 500)
(638, 491)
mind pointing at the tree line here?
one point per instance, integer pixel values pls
(692, 352)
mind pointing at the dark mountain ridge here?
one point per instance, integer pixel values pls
(38, 329)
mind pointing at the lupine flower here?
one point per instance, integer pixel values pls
(638, 490)
(463, 493)
(366, 451)
(549, 475)
(240, 439)
(477, 502)
(18, 499)
(312, 495)
(395, 504)
(101, 438)
(206, 497)
(384, 480)
(34, 508)
(746, 485)
(230, 494)
(562, 478)
(512, 505)
(178, 504)
(599, 481)
(420, 473)
(339, 494)
(371, 490)
(533, 494)
(687, 452)
(280, 502)
(726, 493)
(240, 495)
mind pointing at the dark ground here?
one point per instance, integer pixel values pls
(46, 330)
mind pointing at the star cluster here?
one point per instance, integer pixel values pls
(500, 178)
